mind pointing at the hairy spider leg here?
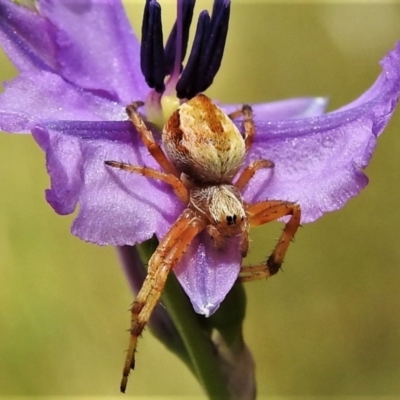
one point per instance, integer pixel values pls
(168, 253)
(248, 123)
(262, 213)
(177, 185)
(148, 139)
(250, 170)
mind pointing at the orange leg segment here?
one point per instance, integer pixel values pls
(248, 123)
(177, 185)
(250, 170)
(148, 139)
(262, 213)
(168, 253)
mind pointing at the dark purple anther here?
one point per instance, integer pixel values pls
(214, 51)
(205, 57)
(185, 20)
(187, 86)
(152, 60)
(207, 51)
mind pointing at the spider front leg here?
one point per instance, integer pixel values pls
(168, 253)
(148, 138)
(262, 213)
(177, 185)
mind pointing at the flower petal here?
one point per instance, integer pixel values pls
(116, 207)
(89, 43)
(44, 96)
(284, 109)
(96, 47)
(208, 274)
(318, 160)
(26, 37)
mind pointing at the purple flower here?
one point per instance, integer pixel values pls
(80, 66)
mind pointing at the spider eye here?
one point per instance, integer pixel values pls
(231, 220)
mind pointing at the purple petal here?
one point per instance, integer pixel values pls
(45, 96)
(208, 274)
(26, 37)
(318, 161)
(96, 47)
(284, 109)
(115, 207)
(90, 43)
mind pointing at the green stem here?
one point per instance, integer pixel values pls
(198, 343)
(196, 339)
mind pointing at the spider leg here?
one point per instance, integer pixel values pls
(148, 138)
(168, 253)
(248, 123)
(235, 114)
(244, 244)
(250, 170)
(177, 185)
(262, 213)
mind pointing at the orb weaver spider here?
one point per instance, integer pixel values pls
(204, 151)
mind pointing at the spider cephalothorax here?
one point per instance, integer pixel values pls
(204, 153)
(222, 208)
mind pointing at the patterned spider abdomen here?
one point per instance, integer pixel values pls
(203, 142)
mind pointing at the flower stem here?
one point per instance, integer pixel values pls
(192, 330)
(197, 341)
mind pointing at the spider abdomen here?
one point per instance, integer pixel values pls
(203, 142)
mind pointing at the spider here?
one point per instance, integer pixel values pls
(204, 151)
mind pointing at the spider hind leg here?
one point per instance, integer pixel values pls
(248, 123)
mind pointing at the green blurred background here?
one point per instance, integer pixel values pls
(328, 326)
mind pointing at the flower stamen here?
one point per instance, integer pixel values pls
(158, 62)
(152, 59)
(175, 49)
(207, 51)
